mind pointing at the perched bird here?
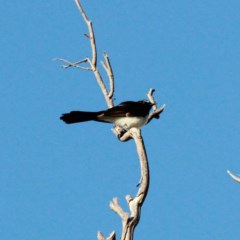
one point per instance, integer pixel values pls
(125, 115)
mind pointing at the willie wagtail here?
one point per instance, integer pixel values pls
(125, 115)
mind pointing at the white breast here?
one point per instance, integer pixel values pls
(129, 122)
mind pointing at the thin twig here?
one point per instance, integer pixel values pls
(74, 64)
(151, 98)
(156, 111)
(108, 69)
(91, 32)
(234, 177)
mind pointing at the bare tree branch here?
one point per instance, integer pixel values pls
(156, 111)
(91, 33)
(114, 205)
(93, 61)
(112, 236)
(234, 177)
(130, 221)
(74, 64)
(108, 69)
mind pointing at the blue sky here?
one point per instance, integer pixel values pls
(56, 180)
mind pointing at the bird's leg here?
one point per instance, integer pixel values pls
(119, 131)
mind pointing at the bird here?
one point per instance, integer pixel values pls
(126, 115)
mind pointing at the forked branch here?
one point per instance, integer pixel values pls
(156, 111)
(92, 62)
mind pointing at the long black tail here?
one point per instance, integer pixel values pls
(78, 116)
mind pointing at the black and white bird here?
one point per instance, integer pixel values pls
(125, 115)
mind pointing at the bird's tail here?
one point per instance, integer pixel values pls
(79, 116)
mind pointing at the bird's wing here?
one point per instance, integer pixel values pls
(124, 109)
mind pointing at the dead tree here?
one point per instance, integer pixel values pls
(131, 219)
